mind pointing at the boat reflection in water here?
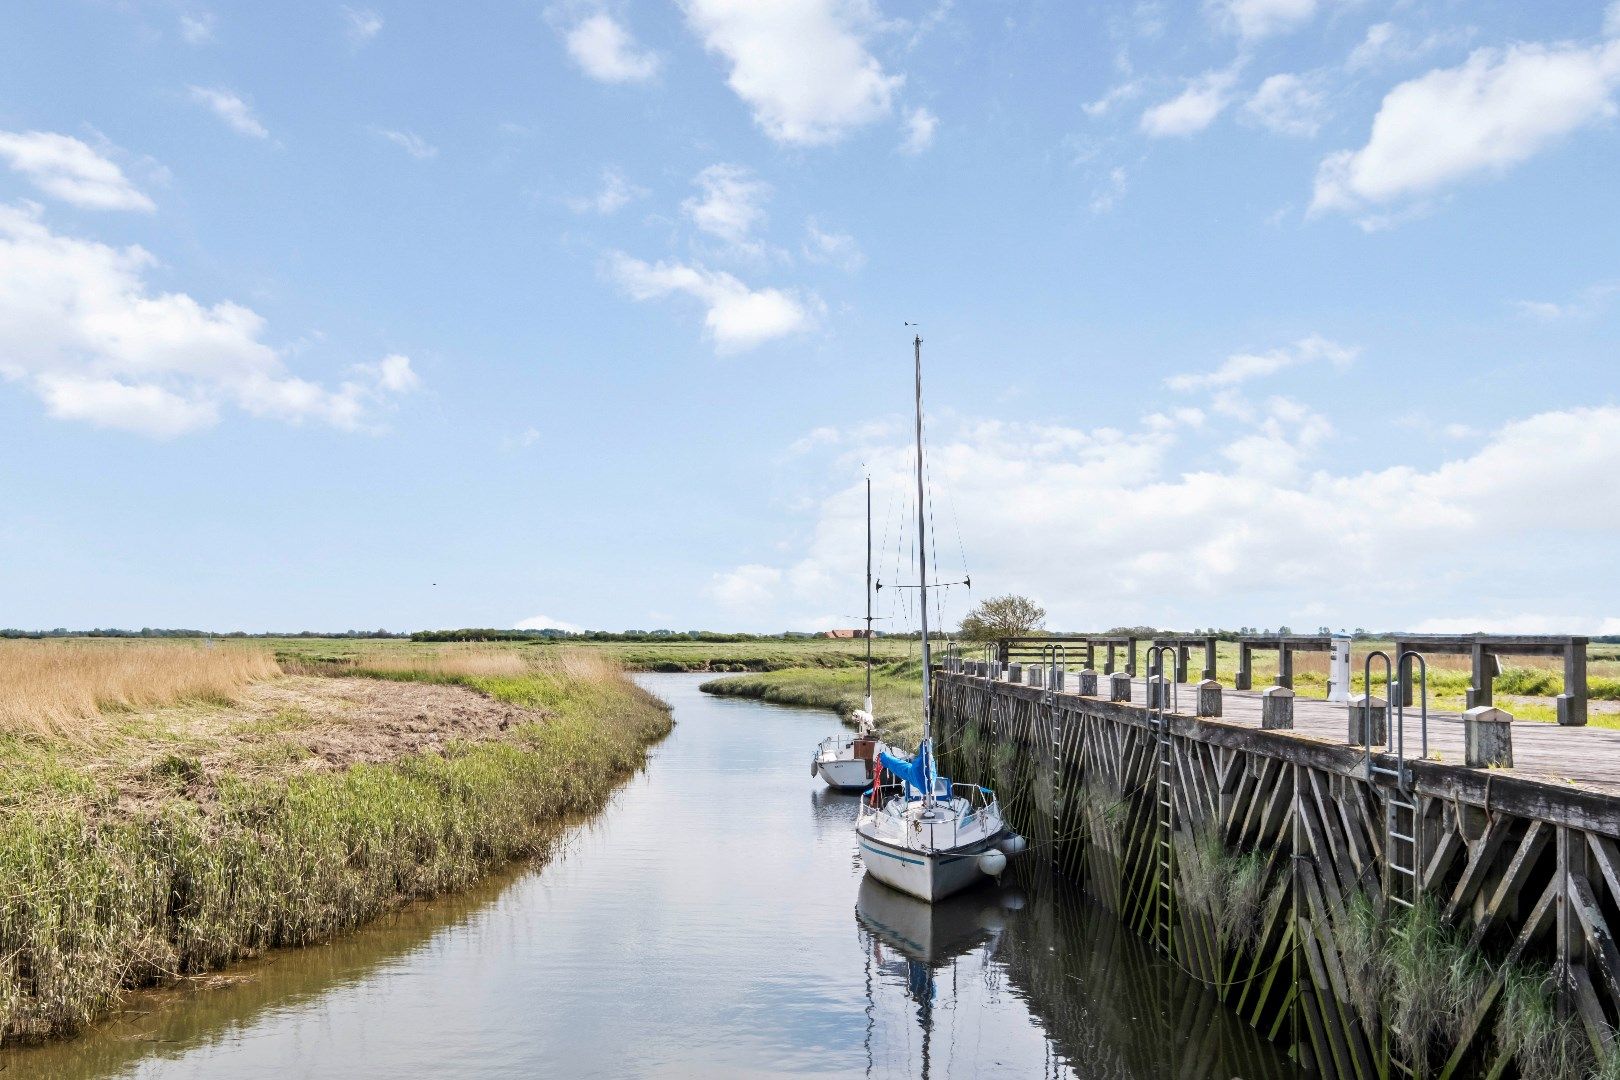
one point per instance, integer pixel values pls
(1081, 995)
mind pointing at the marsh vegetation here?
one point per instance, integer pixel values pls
(171, 808)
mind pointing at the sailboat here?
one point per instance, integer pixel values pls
(848, 762)
(930, 837)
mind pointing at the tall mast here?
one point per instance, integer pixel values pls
(868, 595)
(922, 551)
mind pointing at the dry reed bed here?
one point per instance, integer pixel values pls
(97, 898)
(53, 687)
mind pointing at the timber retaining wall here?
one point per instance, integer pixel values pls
(1525, 871)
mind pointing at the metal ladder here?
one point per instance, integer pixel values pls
(1159, 707)
(1055, 661)
(1403, 832)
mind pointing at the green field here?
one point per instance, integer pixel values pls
(675, 655)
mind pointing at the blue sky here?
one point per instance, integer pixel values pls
(591, 313)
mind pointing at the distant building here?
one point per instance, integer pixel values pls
(843, 633)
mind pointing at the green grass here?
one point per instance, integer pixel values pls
(896, 694)
(98, 896)
(771, 655)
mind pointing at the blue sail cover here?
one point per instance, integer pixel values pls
(915, 772)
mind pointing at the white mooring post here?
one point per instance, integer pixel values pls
(1339, 668)
(1088, 682)
(1209, 698)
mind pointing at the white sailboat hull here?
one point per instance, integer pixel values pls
(927, 875)
(845, 774)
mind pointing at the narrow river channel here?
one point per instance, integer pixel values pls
(713, 922)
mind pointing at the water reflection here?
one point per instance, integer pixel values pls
(710, 924)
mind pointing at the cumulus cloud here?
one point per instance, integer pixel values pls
(1111, 527)
(729, 205)
(229, 107)
(1195, 108)
(1589, 301)
(1255, 19)
(197, 28)
(1125, 91)
(836, 248)
(82, 329)
(547, 622)
(614, 195)
(1108, 194)
(1288, 105)
(606, 52)
(410, 142)
(746, 591)
(71, 170)
(801, 66)
(1242, 367)
(736, 317)
(360, 25)
(1497, 109)
(920, 127)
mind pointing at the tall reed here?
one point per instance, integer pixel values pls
(55, 687)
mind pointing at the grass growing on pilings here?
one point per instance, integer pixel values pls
(1410, 971)
(1417, 976)
(1543, 1044)
(98, 896)
(896, 694)
(1228, 887)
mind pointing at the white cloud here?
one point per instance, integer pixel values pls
(838, 249)
(1195, 108)
(1242, 367)
(731, 203)
(1255, 19)
(920, 127)
(1106, 197)
(606, 52)
(410, 142)
(360, 25)
(1288, 105)
(197, 28)
(66, 168)
(747, 589)
(546, 622)
(393, 374)
(1516, 623)
(1125, 91)
(81, 328)
(802, 66)
(236, 113)
(1589, 301)
(615, 194)
(1385, 44)
(736, 317)
(1494, 111)
(1110, 527)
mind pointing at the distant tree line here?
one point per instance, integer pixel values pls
(153, 632)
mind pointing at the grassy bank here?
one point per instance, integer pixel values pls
(149, 842)
(896, 694)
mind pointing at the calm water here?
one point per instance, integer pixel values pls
(713, 923)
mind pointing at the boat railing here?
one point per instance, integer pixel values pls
(934, 835)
